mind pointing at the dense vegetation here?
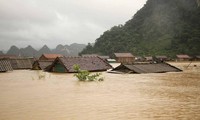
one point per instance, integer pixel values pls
(161, 27)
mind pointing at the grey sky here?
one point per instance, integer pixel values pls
(53, 22)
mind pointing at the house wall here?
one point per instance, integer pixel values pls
(58, 67)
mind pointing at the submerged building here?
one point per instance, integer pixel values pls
(92, 64)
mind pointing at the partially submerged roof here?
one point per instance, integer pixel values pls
(123, 55)
(5, 65)
(198, 56)
(7, 56)
(21, 63)
(41, 64)
(161, 57)
(85, 63)
(183, 56)
(52, 56)
(147, 68)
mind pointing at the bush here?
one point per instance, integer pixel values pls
(84, 75)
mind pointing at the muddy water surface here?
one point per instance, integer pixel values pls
(34, 95)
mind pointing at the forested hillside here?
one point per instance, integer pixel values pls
(161, 27)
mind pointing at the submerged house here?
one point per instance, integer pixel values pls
(65, 64)
(183, 57)
(125, 58)
(146, 68)
(41, 64)
(162, 58)
(197, 58)
(5, 65)
(21, 63)
(49, 56)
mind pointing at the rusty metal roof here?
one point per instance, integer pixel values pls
(5, 65)
(123, 55)
(85, 63)
(147, 68)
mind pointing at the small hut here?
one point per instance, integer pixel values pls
(20, 63)
(146, 68)
(49, 56)
(124, 58)
(65, 64)
(41, 64)
(183, 57)
(5, 65)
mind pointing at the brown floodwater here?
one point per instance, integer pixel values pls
(35, 95)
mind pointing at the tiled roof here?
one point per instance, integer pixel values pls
(85, 63)
(5, 65)
(147, 68)
(21, 63)
(123, 55)
(52, 56)
(8, 56)
(183, 56)
(42, 64)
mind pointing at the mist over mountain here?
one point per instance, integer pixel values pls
(29, 51)
(161, 27)
(1, 53)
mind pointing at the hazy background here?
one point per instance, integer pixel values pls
(53, 22)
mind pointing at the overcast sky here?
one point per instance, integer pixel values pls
(53, 22)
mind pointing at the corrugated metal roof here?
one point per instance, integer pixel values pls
(123, 55)
(147, 68)
(5, 65)
(21, 63)
(85, 63)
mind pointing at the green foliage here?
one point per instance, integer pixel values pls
(161, 27)
(84, 75)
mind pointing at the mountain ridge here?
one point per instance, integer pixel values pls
(29, 51)
(160, 27)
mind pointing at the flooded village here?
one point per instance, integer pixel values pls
(47, 89)
(99, 60)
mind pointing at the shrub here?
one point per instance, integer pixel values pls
(84, 75)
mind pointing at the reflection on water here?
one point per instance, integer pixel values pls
(24, 95)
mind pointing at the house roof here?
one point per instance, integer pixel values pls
(149, 58)
(161, 57)
(123, 55)
(104, 57)
(42, 64)
(52, 56)
(8, 56)
(89, 55)
(21, 63)
(198, 56)
(5, 65)
(85, 63)
(148, 68)
(183, 56)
